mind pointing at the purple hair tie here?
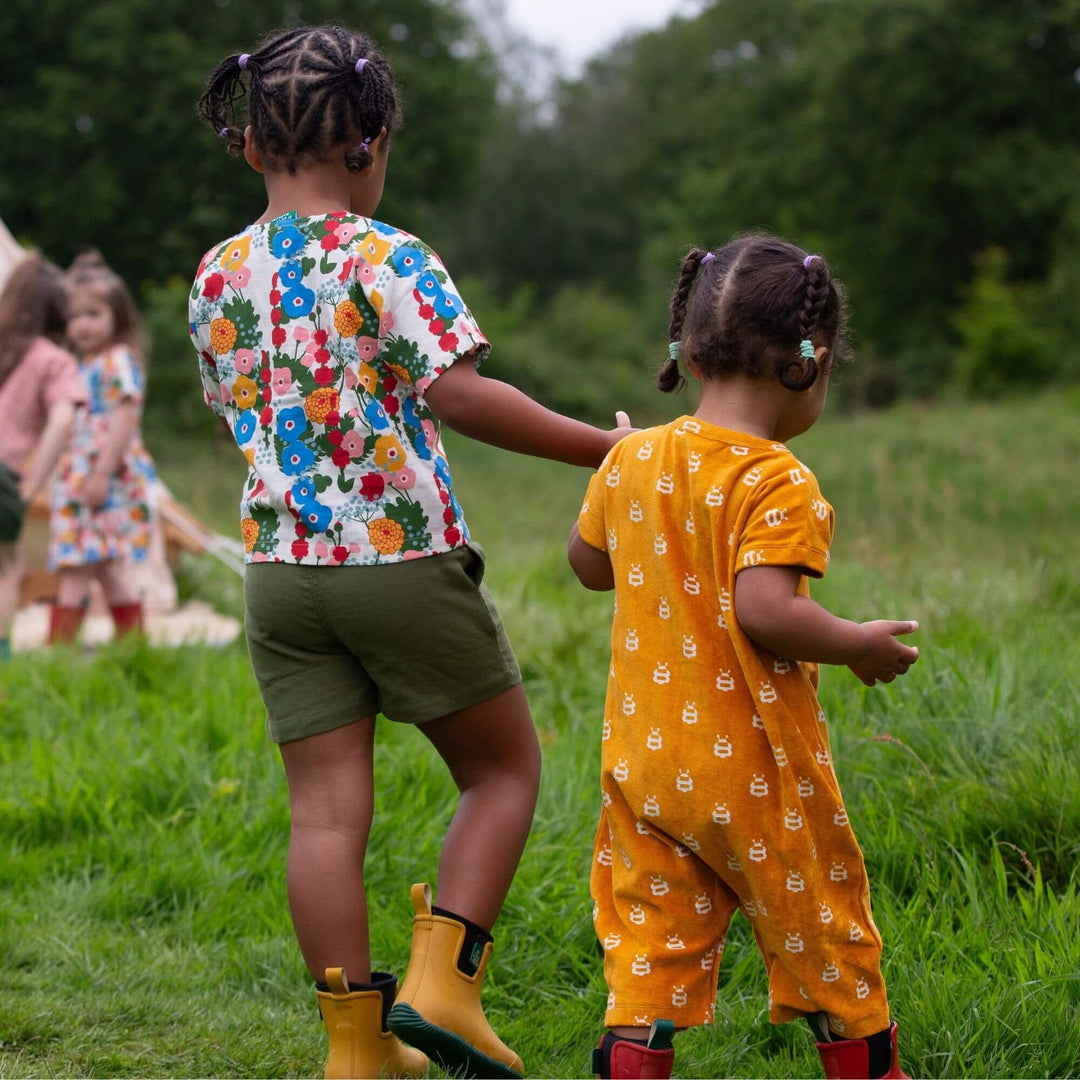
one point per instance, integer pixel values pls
(224, 133)
(361, 64)
(708, 258)
(242, 62)
(807, 260)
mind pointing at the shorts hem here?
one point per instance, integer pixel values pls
(866, 1025)
(472, 694)
(285, 732)
(682, 1016)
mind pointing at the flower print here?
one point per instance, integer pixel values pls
(391, 405)
(347, 319)
(376, 416)
(448, 342)
(288, 241)
(222, 335)
(386, 323)
(403, 479)
(237, 254)
(330, 241)
(346, 231)
(365, 272)
(389, 454)
(321, 402)
(292, 423)
(352, 442)
(249, 530)
(303, 491)
(324, 376)
(298, 302)
(244, 360)
(423, 384)
(448, 306)
(266, 417)
(400, 373)
(340, 458)
(321, 550)
(296, 458)
(277, 336)
(407, 260)
(372, 486)
(452, 537)
(281, 380)
(245, 427)
(292, 273)
(367, 347)
(386, 535)
(374, 249)
(245, 391)
(299, 549)
(340, 553)
(300, 333)
(428, 284)
(317, 517)
(240, 279)
(442, 471)
(213, 287)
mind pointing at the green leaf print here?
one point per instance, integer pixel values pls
(267, 520)
(401, 352)
(370, 316)
(322, 482)
(307, 264)
(413, 520)
(242, 314)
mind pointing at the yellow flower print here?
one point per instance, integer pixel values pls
(367, 377)
(386, 535)
(377, 301)
(347, 319)
(249, 454)
(401, 372)
(388, 453)
(236, 256)
(222, 335)
(374, 248)
(249, 530)
(245, 391)
(321, 402)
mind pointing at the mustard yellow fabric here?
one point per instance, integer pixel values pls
(717, 782)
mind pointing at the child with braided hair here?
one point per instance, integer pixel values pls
(717, 783)
(332, 345)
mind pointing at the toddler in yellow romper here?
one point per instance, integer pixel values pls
(717, 783)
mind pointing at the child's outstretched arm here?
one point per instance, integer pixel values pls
(497, 413)
(774, 616)
(592, 566)
(122, 425)
(51, 445)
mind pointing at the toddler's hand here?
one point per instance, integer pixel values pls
(621, 430)
(884, 657)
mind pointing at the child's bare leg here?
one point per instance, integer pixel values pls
(331, 799)
(73, 589)
(10, 576)
(118, 583)
(494, 758)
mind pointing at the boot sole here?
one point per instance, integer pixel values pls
(448, 1050)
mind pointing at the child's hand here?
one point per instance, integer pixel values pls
(94, 491)
(885, 657)
(621, 430)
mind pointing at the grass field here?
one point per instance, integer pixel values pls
(143, 816)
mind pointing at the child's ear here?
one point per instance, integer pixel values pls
(693, 370)
(251, 155)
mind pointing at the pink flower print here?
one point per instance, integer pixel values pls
(259, 556)
(240, 279)
(353, 444)
(365, 272)
(429, 434)
(350, 378)
(422, 385)
(410, 554)
(354, 548)
(300, 333)
(346, 231)
(403, 479)
(244, 360)
(386, 323)
(367, 347)
(281, 380)
(321, 550)
(355, 413)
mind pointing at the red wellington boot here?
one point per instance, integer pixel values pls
(64, 623)
(127, 619)
(849, 1059)
(624, 1059)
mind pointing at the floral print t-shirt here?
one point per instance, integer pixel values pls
(318, 338)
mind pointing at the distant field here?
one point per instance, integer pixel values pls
(143, 815)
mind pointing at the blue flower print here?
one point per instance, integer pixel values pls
(408, 413)
(296, 458)
(303, 491)
(245, 427)
(298, 302)
(291, 274)
(407, 260)
(375, 415)
(442, 471)
(420, 444)
(428, 284)
(448, 306)
(316, 516)
(288, 241)
(386, 230)
(292, 423)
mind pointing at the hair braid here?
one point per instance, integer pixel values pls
(669, 377)
(816, 294)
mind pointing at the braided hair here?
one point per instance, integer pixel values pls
(308, 90)
(748, 308)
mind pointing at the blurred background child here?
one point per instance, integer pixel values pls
(100, 526)
(40, 386)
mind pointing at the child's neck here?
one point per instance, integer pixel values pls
(310, 193)
(742, 404)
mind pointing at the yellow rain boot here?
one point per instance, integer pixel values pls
(438, 1008)
(360, 1045)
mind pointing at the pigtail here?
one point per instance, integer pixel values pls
(801, 374)
(218, 104)
(669, 377)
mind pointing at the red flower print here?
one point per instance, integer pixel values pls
(301, 530)
(275, 294)
(436, 326)
(452, 537)
(333, 418)
(389, 383)
(320, 337)
(335, 214)
(275, 315)
(264, 375)
(448, 515)
(340, 458)
(341, 553)
(266, 393)
(444, 496)
(448, 342)
(334, 437)
(345, 271)
(391, 405)
(278, 336)
(372, 486)
(324, 376)
(213, 286)
(329, 242)
(427, 311)
(266, 417)
(299, 549)
(322, 356)
(418, 296)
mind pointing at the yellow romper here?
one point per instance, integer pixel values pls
(717, 782)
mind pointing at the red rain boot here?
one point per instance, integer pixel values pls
(624, 1059)
(64, 623)
(127, 619)
(849, 1059)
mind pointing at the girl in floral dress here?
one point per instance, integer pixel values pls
(332, 345)
(101, 508)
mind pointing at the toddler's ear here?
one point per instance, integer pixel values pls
(251, 154)
(821, 354)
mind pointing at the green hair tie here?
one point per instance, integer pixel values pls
(806, 348)
(673, 350)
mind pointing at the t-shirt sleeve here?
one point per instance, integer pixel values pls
(63, 381)
(424, 325)
(591, 524)
(124, 379)
(788, 522)
(208, 369)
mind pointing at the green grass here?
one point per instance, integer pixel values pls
(143, 815)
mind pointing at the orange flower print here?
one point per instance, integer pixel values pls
(249, 530)
(320, 403)
(222, 335)
(386, 535)
(347, 319)
(401, 372)
(246, 392)
(388, 453)
(236, 256)
(367, 377)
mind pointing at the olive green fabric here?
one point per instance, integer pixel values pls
(12, 508)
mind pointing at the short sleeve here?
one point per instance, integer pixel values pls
(62, 379)
(424, 325)
(788, 523)
(123, 378)
(591, 517)
(208, 370)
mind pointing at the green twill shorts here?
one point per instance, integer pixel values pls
(413, 640)
(12, 508)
